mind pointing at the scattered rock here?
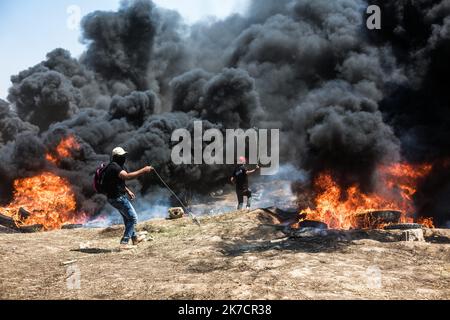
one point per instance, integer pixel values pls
(437, 235)
(218, 193)
(309, 233)
(66, 263)
(279, 240)
(414, 235)
(176, 213)
(311, 224)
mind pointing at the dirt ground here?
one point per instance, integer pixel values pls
(234, 256)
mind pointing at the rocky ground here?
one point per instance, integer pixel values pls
(233, 256)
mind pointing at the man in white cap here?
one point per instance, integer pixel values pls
(119, 195)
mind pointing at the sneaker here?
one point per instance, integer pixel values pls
(137, 240)
(125, 247)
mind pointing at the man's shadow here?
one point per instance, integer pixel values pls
(95, 251)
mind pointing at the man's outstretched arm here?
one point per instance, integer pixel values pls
(253, 171)
(134, 175)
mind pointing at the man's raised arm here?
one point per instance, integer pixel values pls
(134, 175)
(253, 171)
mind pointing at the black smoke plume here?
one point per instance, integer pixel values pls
(11, 125)
(228, 98)
(419, 109)
(120, 43)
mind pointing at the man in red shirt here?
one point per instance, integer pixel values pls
(240, 179)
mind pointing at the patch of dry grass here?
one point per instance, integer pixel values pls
(234, 256)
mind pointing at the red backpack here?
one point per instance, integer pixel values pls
(99, 178)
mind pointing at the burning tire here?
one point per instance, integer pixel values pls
(374, 219)
(404, 226)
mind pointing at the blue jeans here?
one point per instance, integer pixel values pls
(129, 216)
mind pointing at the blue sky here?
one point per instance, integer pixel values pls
(32, 28)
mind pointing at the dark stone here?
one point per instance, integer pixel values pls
(71, 226)
(313, 224)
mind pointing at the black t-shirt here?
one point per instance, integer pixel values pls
(113, 184)
(241, 177)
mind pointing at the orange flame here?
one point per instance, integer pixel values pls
(426, 222)
(48, 198)
(340, 208)
(63, 150)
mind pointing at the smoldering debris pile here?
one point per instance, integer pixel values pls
(346, 98)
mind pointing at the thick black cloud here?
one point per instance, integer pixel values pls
(11, 125)
(136, 107)
(339, 129)
(419, 109)
(120, 43)
(42, 96)
(228, 98)
(189, 90)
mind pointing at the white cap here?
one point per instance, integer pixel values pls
(119, 152)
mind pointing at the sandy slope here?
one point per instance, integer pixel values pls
(235, 256)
